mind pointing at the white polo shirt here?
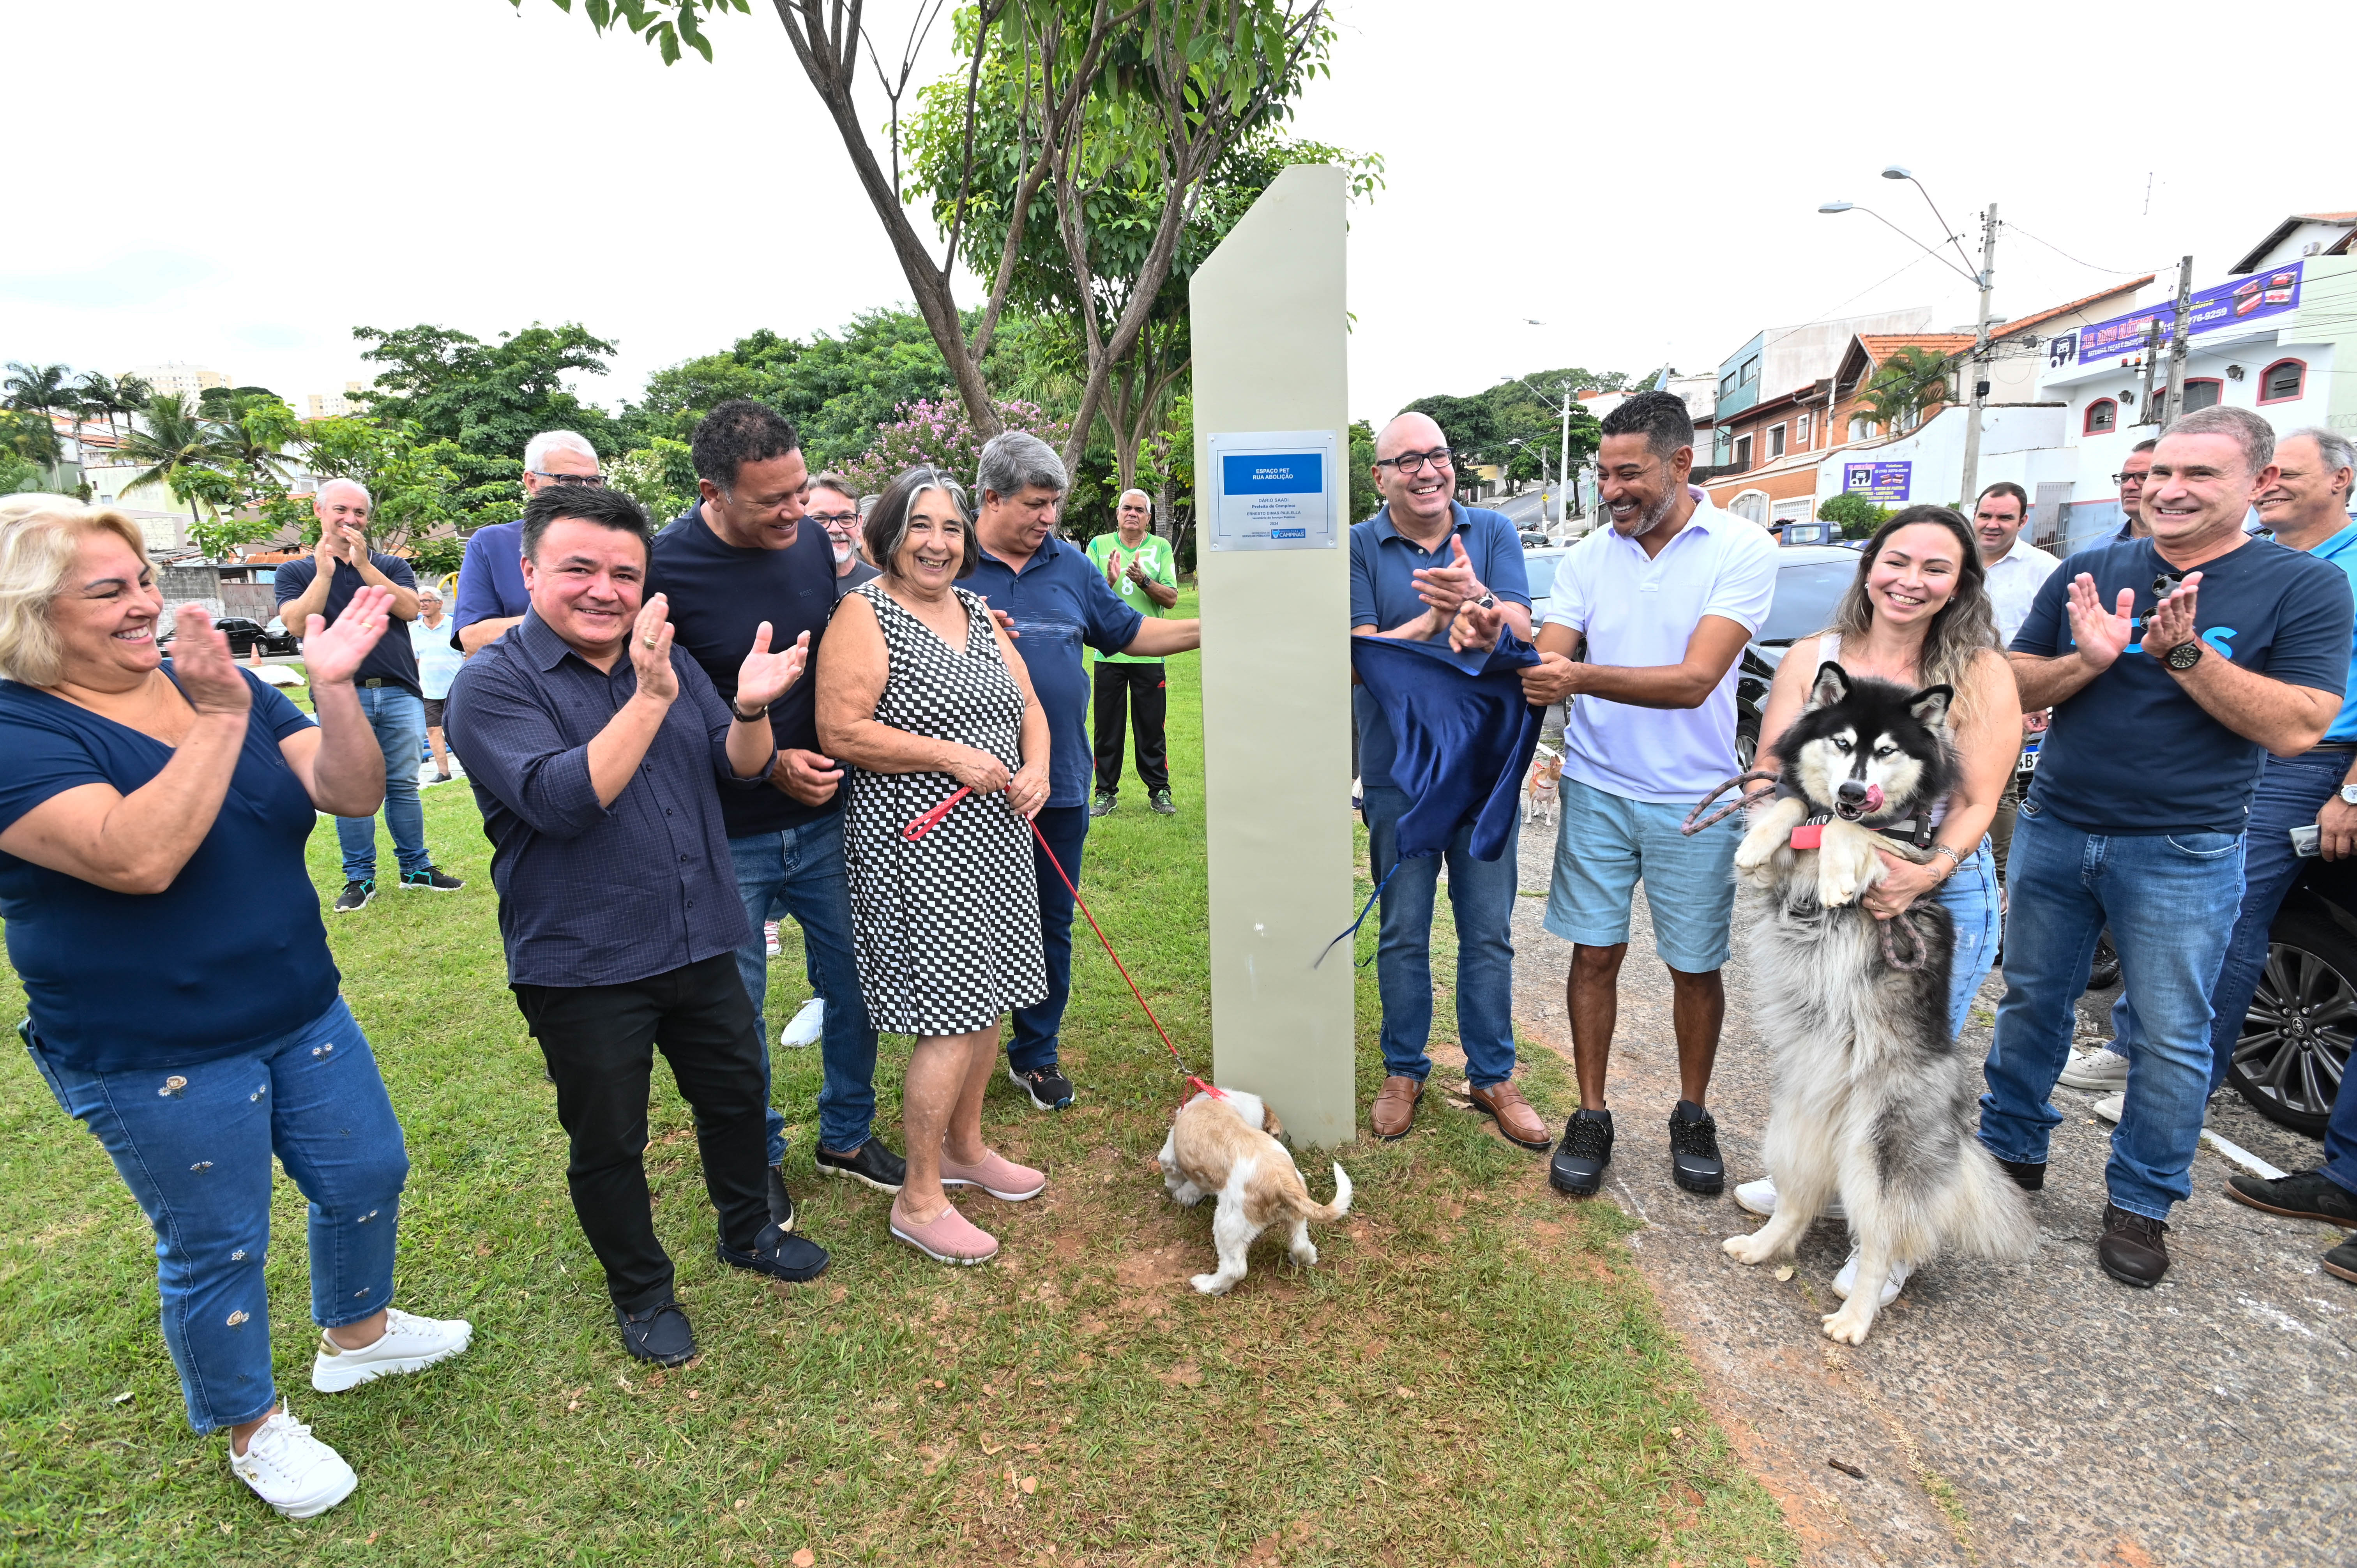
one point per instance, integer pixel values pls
(1637, 611)
(2013, 582)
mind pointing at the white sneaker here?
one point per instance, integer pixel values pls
(769, 937)
(2099, 1071)
(409, 1344)
(2111, 1107)
(1759, 1198)
(291, 1471)
(805, 1027)
(1847, 1280)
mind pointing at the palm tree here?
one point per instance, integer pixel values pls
(102, 395)
(1912, 379)
(43, 390)
(179, 450)
(253, 429)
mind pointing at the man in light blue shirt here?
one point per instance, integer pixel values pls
(491, 579)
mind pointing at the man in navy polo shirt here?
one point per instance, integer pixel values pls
(1413, 566)
(490, 595)
(1057, 601)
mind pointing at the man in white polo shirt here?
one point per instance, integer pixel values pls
(2016, 568)
(1664, 602)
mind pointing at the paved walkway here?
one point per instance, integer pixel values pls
(2033, 1413)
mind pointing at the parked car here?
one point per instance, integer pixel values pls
(1796, 531)
(1539, 567)
(1809, 582)
(2294, 1048)
(243, 635)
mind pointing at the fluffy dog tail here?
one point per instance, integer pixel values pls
(1325, 1212)
(1987, 1216)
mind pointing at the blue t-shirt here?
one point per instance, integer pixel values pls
(2342, 550)
(1059, 601)
(2131, 752)
(231, 956)
(392, 659)
(1383, 595)
(491, 579)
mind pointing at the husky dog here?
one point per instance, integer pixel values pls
(1871, 1100)
(1226, 1144)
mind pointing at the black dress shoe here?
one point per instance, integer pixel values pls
(782, 1202)
(1579, 1160)
(779, 1256)
(2303, 1194)
(660, 1334)
(2341, 1261)
(871, 1163)
(2027, 1175)
(2131, 1249)
(1695, 1163)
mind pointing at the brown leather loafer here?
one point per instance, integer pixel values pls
(1504, 1104)
(1394, 1108)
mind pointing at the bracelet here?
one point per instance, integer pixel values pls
(756, 716)
(1955, 860)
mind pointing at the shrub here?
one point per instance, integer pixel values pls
(1858, 517)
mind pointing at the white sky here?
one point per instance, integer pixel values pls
(1643, 180)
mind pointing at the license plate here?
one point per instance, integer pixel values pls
(2030, 762)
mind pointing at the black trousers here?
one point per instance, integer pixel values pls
(599, 1042)
(1141, 689)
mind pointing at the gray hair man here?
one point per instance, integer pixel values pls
(387, 681)
(1059, 602)
(1131, 693)
(491, 597)
(2200, 651)
(833, 504)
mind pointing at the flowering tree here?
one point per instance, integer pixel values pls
(939, 433)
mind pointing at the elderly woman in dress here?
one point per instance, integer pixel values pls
(922, 696)
(184, 1006)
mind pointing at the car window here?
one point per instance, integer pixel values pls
(1807, 593)
(1540, 570)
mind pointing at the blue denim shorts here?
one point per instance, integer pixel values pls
(1608, 843)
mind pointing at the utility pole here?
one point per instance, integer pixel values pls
(2151, 414)
(2181, 334)
(1562, 505)
(1977, 368)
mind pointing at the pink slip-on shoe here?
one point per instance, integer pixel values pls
(995, 1175)
(948, 1238)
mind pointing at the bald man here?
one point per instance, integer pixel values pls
(1130, 689)
(340, 566)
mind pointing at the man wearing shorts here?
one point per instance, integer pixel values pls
(1664, 602)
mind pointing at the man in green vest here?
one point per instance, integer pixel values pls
(1139, 567)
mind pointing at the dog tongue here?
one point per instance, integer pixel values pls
(1874, 797)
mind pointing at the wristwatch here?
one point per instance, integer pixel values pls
(756, 716)
(2349, 794)
(1488, 601)
(2184, 656)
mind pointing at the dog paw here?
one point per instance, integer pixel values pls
(1749, 1250)
(1306, 1257)
(1851, 1324)
(1211, 1284)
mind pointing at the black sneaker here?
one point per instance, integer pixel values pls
(1160, 800)
(871, 1163)
(777, 1255)
(2027, 1175)
(661, 1335)
(1049, 1089)
(433, 879)
(1579, 1160)
(356, 894)
(782, 1202)
(1694, 1164)
(1103, 804)
(2303, 1194)
(2131, 1249)
(2342, 1260)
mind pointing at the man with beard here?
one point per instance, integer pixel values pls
(1424, 569)
(834, 505)
(1662, 602)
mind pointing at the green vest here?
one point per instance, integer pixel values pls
(1153, 556)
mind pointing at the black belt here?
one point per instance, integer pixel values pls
(376, 681)
(2341, 746)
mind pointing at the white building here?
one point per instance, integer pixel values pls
(176, 376)
(332, 405)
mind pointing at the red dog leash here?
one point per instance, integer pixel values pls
(932, 820)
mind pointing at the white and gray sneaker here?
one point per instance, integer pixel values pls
(2099, 1072)
(1759, 1198)
(409, 1344)
(805, 1027)
(2112, 1107)
(291, 1471)
(1847, 1280)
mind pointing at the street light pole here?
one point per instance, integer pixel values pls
(1563, 504)
(1979, 363)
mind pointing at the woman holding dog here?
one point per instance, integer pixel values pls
(923, 698)
(1917, 614)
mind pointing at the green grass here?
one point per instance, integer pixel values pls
(1473, 1373)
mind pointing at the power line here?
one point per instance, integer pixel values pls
(1853, 299)
(2115, 271)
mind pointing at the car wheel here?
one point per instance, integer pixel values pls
(2294, 1042)
(2104, 972)
(1747, 746)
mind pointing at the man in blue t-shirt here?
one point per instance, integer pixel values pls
(740, 556)
(1413, 566)
(1055, 601)
(491, 596)
(2174, 665)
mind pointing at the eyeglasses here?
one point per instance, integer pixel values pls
(2123, 478)
(832, 519)
(591, 479)
(1413, 462)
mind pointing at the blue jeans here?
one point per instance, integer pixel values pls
(2341, 1140)
(194, 1144)
(1970, 897)
(1481, 893)
(2160, 893)
(799, 872)
(398, 716)
(1034, 1042)
(2291, 790)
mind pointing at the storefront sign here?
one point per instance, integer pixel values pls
(2269, 293)
(1877, 481)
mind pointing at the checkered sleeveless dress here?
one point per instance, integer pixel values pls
(946, 929)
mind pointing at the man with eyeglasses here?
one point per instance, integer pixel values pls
(2130, 480)
(1416, 566)
(834, 505)
(491, 596)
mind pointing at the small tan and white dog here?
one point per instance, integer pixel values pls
(1544, 784)
(1226, 1146)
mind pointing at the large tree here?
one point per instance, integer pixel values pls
(486, 400)
(45, 391)
(1076, 97)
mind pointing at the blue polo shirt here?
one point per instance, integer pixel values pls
(1383, 595)
(491, 579)
(1059, 601)
(2342, 550)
